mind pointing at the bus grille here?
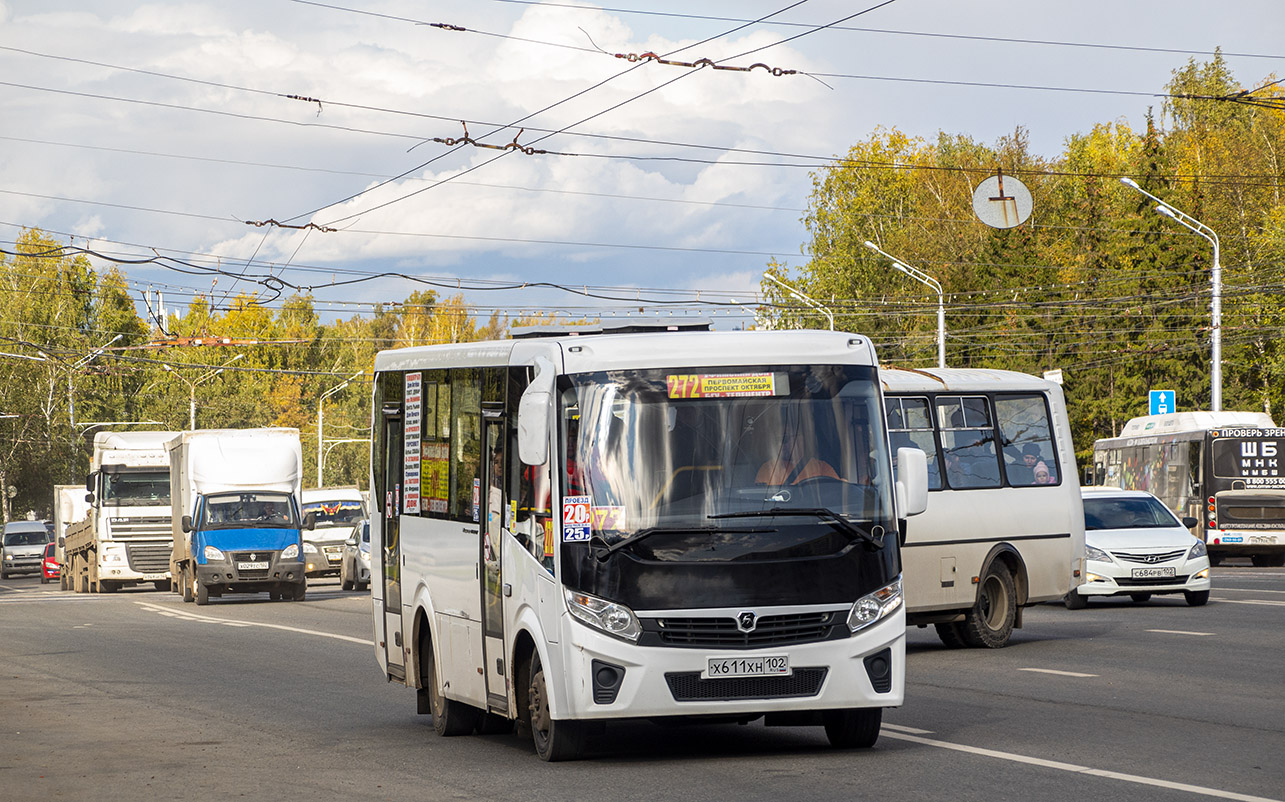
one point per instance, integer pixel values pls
(1148, 559)
(149, 558)
(722, 633)
(688, 686)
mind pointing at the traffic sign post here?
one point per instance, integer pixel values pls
(1163, 402)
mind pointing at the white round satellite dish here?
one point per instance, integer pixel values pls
(1002, 201)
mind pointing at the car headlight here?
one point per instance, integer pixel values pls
(309, 548)
(290, 552)
(1094, 553)
(609, 617)
(874, 606)
(1197, 550)
(213, 553)
(365, 556)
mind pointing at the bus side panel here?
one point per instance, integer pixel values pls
(1070, 483)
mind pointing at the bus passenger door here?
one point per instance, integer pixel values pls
(391, 551)
(495, 507)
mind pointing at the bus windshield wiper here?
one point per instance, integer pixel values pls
(662, 530)
(826, 515)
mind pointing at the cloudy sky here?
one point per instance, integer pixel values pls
(176, 127)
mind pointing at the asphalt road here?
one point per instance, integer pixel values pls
(137, 695)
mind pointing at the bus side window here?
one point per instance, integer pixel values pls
(1028, 440)
(910, 425)
(968, 442)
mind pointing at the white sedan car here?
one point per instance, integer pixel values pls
(1136, 547)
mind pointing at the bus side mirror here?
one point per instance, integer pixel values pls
(533, 415)
(186, 523)
(912, 482)
(310, 520)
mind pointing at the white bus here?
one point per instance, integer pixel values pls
(1004, 527)
(573, 529)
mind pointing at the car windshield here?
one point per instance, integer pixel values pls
(137, 488)
(27, 537)
(1127, 513)
(648, 450)
(242, 510)
(338, 512)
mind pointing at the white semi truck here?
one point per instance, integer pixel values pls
(124, 538)
(237, 524)
(336, 510)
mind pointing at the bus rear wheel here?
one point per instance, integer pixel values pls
(554, 739)
(857, 728)
(990, 623)
(951, 634)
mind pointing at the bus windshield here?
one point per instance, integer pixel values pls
(710, 450)
(137, 488)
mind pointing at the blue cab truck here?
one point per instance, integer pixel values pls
(236, 518)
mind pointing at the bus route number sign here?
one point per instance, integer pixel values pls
(726, 385)
(576, 519)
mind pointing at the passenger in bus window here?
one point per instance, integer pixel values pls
(1024, 473)
(1042, 476)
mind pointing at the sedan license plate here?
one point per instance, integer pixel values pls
(252, 566)
(767, 666)
(1153, 573)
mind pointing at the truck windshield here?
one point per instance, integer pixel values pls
(137, 488)
(249, 510)
(706, 454)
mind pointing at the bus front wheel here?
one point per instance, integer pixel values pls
(990, 623)
(554, 739)
(857, 728)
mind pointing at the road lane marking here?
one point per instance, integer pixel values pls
(1071, 767)
(911, 730)
(233, 622)
(1226, 589)
(1180, 632)
(1059, 673)
(1259, 602)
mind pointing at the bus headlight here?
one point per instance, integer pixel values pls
(1198, 550)
(212, 553)
(611, 618)
(874, 606)
(290, 552)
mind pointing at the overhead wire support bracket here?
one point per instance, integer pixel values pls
(703, 62)
(277, 224)
(305, 100)
(468, 140)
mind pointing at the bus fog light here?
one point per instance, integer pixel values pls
(874, 606)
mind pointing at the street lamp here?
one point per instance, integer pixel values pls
(933, 284)
(191, 386)
(321, 403)
(1216, 313)
(801, 297)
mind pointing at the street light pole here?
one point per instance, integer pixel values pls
(321, 403)
(802, 297)
(934, 285)
(191, 387)
(1216, 279)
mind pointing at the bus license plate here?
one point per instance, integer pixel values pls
(767, 666)
(252, 566)
(1153, 573)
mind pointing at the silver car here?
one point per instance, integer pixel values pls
(23, 547)
(354, 566)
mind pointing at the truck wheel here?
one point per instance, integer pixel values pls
(201, 591)
(189, 585)
(857, 728)
(554, 739)
(300, 591)
(162, 584)
(990, 623)
(107, 586)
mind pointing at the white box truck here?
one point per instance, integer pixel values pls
(125, 537)
(237, 524)
(336, 511)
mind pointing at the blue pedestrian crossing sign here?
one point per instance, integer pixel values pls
(1162, 402)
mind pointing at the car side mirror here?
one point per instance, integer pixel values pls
(186, 523)
(310, 520)
(1190, 522)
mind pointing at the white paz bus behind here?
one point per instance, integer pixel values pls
(687, 524)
